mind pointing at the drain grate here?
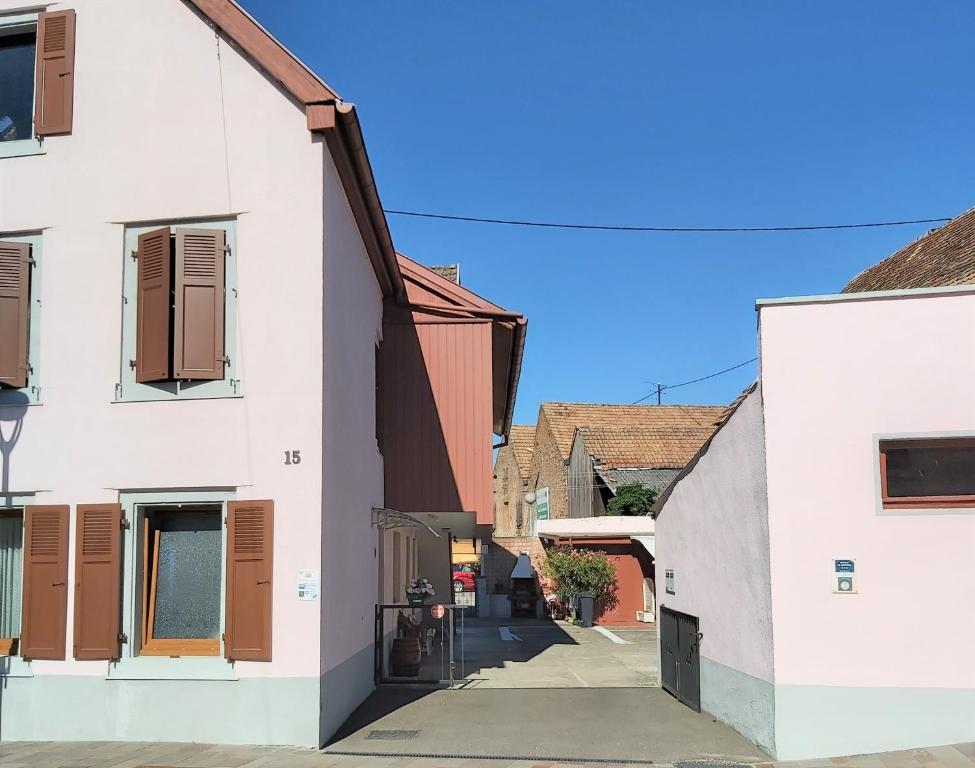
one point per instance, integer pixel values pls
(708, 764)
(392, 735)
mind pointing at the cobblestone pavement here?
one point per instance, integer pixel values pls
(151, 755)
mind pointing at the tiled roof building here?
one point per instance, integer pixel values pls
(944, 256)
(654, 437)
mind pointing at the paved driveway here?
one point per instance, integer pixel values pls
(521, 653)
(633, 724)
(537, 654)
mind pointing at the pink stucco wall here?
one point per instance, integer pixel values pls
(712, 532)
(836, 374)
(353, 466)
(167, 125)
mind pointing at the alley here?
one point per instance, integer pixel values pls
(530, 653)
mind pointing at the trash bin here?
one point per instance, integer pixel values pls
(586, 608)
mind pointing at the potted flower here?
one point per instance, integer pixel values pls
(419, 591)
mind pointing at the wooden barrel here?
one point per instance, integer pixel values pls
(406, 657)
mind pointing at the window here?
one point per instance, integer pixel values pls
(928, 473)
(398, 587)
(179, 288)
(182, 558)
(36, 79)
(17, 50)
(196, 581)
(20, 317)
(11, 578)
(669, 581)
(519, 515)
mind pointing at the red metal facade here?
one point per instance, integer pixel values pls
(437, 413)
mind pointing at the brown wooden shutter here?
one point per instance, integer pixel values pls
(45, 612)
(152, 307)
(54, 73)
(14, 313)
(198, 336)
(250, 544)
(97, 582)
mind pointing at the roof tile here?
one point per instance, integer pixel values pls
(944, 256)
(564, 418)
(522, 442)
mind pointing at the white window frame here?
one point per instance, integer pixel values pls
(13, 24)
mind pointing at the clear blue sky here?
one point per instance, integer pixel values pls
(650, 113)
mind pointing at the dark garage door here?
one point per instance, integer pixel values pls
(680, 660)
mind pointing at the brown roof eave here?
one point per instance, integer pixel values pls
(345, 141)
(327, 115)
(517, 355)
(247, 33)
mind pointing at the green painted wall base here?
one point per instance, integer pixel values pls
(744, 702)
(275, 711)
(825, 721)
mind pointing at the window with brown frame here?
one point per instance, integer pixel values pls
(928, 473)
(182, 562)
(11, 578)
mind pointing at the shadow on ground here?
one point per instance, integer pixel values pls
(631, 724)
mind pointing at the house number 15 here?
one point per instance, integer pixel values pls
(292, 457)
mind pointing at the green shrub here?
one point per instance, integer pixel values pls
(632, 500)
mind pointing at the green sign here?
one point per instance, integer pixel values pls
(541, 500)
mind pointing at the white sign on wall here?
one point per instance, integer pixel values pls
(844, 576)
(308, 584)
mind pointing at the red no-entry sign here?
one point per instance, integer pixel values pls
(437, 611)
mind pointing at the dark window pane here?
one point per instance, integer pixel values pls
(947, 470)
(16, 86)
(188, 581)
(11, 569)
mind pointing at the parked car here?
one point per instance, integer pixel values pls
(464, 575)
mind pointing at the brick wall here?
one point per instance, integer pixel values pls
(548, 469)
(509, 495)
(497, 562)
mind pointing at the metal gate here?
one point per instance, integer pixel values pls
(680, 657)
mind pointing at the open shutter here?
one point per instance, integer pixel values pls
(54, 73)
(45, 613)
(14, 313)
(152, 306)
(97, 581)
(198, 337)
(250, 543)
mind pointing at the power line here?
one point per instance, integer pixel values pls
(625, 228)
(710, 375)
(663, 388)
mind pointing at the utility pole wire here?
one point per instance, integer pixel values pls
(624, 228)
(664, 387)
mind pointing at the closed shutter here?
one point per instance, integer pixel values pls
(14, 313)
(54, 75)
(198, 336)
(97, 581)
(153, 302)
(45, 613)
(250, 543)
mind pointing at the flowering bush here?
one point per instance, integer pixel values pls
(575, 570)
(420, 587)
